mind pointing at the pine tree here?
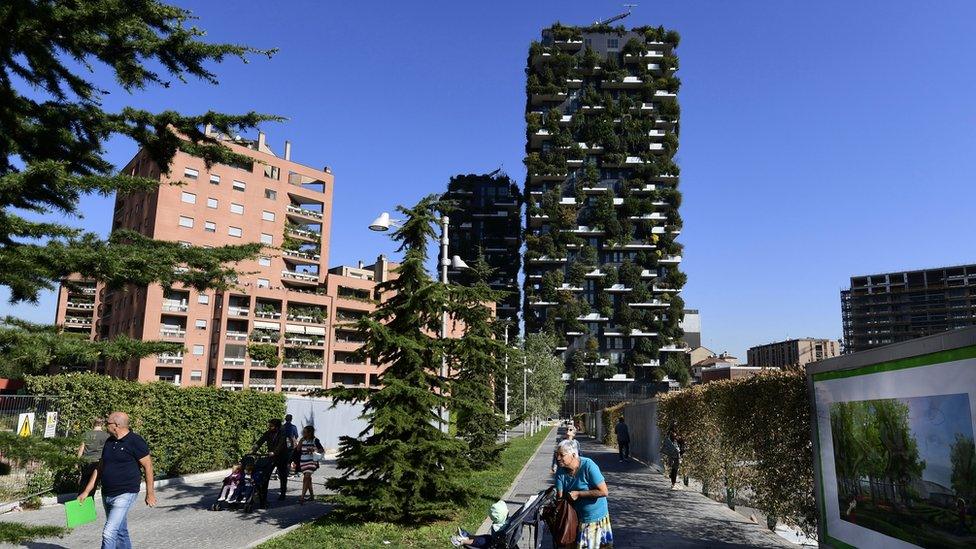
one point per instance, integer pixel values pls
(402, 468)
(478, 358)
(52, 140)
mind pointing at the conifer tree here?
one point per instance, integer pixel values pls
(478, 360)
(402, 468)
(53, 130)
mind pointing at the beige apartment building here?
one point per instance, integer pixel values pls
(283, 298)
(792, 353)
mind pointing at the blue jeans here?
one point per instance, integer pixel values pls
(115, 535)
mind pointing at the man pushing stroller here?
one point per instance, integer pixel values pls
(276, 441)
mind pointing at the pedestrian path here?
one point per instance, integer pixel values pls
(182, 517)
(645, 512)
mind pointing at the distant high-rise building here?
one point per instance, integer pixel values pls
(792, 353)
(887, 308)
(601, 197)
(487, 220)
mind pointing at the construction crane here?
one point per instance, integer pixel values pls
(617, 17)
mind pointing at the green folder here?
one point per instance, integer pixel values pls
(79, 513)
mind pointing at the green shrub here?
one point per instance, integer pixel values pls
(189, 430)
(762, 421)
(610, 416)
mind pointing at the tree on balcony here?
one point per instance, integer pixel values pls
(402, 468)
(265, 353)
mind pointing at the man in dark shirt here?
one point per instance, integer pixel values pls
(90, 450)
(623, 439)
(118, 469)
(277, 442)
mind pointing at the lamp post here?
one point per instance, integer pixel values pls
(505, 398)
(383, 223)
(525, 394)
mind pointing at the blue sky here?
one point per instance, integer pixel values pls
(819, 140)
(935, 421)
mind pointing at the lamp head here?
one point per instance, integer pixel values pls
(381, 223)
(458, 263)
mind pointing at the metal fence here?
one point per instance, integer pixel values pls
(34, 417)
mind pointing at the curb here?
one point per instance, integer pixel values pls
(518, 478)
(273, 535)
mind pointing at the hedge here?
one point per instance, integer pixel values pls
(189, 430)
(750, 433)
(610, 416)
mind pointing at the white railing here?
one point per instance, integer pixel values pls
(267, 314)
(78, 320)
(236, 336)
(306, 365)
(81, 305)
(303, 255)
(230, 361)
(172, 332)
(303, 232)
(238, 311)
(232, 384)
(175, 306)
(165, 358)
(303, 211)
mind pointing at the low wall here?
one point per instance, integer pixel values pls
(330, 423)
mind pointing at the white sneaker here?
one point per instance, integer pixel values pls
(456, 541)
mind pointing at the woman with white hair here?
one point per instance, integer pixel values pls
(570, 435)
(581, 481)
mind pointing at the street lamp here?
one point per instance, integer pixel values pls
(382, 224)
(525, 390)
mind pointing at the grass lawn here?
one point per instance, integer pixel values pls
(18, 532)
(491, 485)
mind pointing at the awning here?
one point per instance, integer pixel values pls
(315, 330)
(294, 329)
(264, 325)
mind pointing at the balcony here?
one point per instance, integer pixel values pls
(262, 383)
(169, 358)
(77, 321)
(304, 364)
(654, 303)
(541, 98)
(172, 333)
(592, 317)
(304, 257)
(304, 234)
(670, 259)
(627, 82)
(311, 214)
(88, 291)
(232, 385)
(304, 341)
(536, 139)
(174, 306)
(82, 305)
(546, 260)
(587, 231)
(303, 278)
(266, 313)
(237, 362)
(236, 336)
(265, 336)
(238, 311)
(569, 45)
(655, 216)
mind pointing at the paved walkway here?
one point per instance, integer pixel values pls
(645, 512)
(182, 517)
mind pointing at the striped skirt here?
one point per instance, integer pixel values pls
(309, 466)
(595, 535)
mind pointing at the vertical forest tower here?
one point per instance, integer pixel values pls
(602, 263)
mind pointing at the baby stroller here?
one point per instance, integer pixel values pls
(254, 468)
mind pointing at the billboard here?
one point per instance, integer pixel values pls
(893, 434)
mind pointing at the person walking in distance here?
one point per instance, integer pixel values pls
(276, 441)
(90, 450)
(291, 431)
(623, 439)
(672, 449)
(123, 455)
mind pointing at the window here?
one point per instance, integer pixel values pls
(267, 239)
(588, 42)
(186, 222)
(271, 194)
(201, 324)
(239, 185)
(214, 179)
(196, 375)
(198, 350)
(210, 226)
(264, 261)
(267, 216)
(272, 172)
(613, 43)
(263, 283)
(203, 298)
(190, 173)
(212, 202)
(236, 208)
(189, 198)
(235, 231)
